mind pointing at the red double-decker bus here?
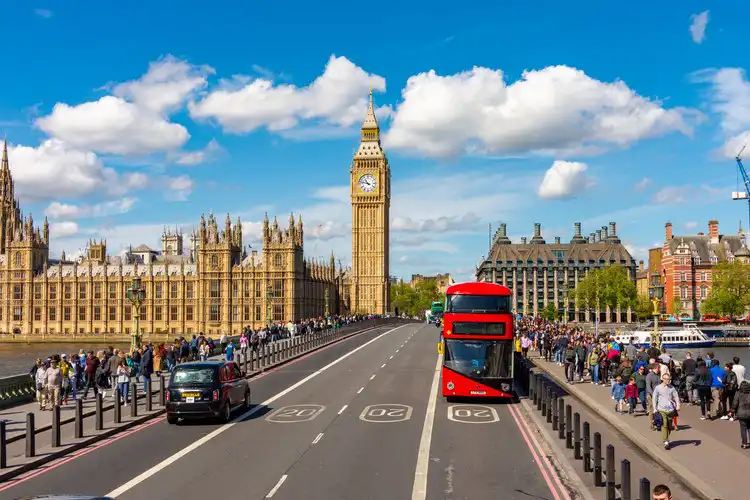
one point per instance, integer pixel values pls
(477, 341)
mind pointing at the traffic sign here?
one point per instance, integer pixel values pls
(473, 414)
(386, 413)
(295, 413)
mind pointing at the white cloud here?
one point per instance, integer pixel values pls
(207, 154)
(641, 185)
(564, 179)
(45, 13)
(554, 109)
(337, 97)
(691, 225)
(62, 229)
(637, 252)
(56, 170)
(698, 23)
(134, 120)
(178, 188)
(680, 195)
(57, 210)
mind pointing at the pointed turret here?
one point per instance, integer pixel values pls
(266, 231)
(4, 166)
(370, 123)
(228, 229)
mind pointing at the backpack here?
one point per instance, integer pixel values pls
(731, 383)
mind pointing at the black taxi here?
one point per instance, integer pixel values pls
(206, 389)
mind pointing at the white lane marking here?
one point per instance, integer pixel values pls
(391, 357)
(419, 491)
(342, 409)
(208, 437)
(317, 438)
(276, 488)
(373, 376)
(398, 350)
(382, 366)
(360, 390)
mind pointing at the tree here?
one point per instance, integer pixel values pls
(415, 301)
(600, 288)
(730, 290)
(676, 306)
(644, 308)
(550, 312)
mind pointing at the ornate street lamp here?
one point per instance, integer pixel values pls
(326, 299)
(564, 290)
(656, 293)
(136, 295)
(268, 304)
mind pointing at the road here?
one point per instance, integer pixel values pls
(360, 419)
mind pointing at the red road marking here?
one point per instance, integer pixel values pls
(85, 451)
(62, 461)
(539, 457)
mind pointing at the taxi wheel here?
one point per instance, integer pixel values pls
(226, 413)
(171, 419)
(246, 402)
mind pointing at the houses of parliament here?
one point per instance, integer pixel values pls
(215, 287)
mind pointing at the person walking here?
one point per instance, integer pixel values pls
(53, 383)
(123, 380)
(741, 411)
(667, 403)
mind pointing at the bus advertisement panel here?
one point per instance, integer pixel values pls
(477, 341)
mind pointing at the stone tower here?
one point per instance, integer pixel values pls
(370, 181)
(171, 241)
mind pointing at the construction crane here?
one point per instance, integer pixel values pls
(743, 195)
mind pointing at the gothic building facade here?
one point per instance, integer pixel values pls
(216, 286)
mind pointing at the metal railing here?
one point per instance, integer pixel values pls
(543, 393)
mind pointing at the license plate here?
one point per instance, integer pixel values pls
(190, 399)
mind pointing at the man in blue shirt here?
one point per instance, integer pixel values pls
(717, 386)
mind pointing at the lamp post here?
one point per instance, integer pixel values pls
(136, 295)
(564, 291)
(326, 299)
(656, 293)
(268, 304)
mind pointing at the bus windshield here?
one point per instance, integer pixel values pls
(479, 358)
(493, 304)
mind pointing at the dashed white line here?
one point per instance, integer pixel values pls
(317, 438)
(391, 357)
(360, 390)
(373, 376)
(398, 350)
(382, 366)
(276, 488)
(342, 409)
(419, 490)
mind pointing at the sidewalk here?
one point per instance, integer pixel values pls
(704, 454)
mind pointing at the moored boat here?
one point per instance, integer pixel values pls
(690, 336)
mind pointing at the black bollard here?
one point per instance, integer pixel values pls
(3, 444)
(561, 412)
(555, 417)
(78, 431)
(55, 426)
(532, 387)
(133, 400)
(625, 493)
(30, 436)
(609, 464)
(538, 392)
(645, 489)
(99, 412)
(568, 427)
(118, 407)
(162, 392)
(543, 399)
(262, 357)
(245, 362)
(586, 447)
(149, 398)
(597, 459)
(577, 435)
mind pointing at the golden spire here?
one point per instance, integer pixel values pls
(371, 123)
(4, 166)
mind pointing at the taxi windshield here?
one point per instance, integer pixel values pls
(203, 375)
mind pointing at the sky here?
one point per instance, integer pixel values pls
(122, 119)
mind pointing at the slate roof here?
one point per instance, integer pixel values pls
(700, 246)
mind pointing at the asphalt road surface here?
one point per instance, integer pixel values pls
(362, 419)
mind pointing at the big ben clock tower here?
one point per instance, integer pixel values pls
(370, 180)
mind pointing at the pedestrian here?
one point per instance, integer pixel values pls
(53, 382)
(618, 393)
(631, 394)
(667, 404)
(123, 380)
(661, 492)
(741, 411)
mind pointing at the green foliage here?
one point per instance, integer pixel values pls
(550, 312)
(676, 306)
(730, 290)
(643, 308)
(600, 288)
(415, 301)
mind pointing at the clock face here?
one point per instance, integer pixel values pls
(367, 183)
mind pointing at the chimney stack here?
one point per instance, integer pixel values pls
(640, 266)
(713, 231)
(604, 232)
(612, 229)
(537, 230)
(668, 231)
(557, 240)
(523, 240)
(578, 230)
(592, 237)
(503, 229)
(598, 235)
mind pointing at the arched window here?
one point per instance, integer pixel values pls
(18, 258)
(214, 260)
(277, 260)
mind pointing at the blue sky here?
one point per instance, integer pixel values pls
(122, 119)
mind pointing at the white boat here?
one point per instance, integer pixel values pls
(689, 336)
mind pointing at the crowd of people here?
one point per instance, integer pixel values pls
(646, 380)
(61, 378)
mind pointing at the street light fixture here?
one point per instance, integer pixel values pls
(326, 299)
(564, 291)
(268, 304)
(656, 293)
(136, 294)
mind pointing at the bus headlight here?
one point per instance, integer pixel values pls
(505, 387)
(450, 386)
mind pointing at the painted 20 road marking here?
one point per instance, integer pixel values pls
(473, 414)
(295, 413)
(386, 413)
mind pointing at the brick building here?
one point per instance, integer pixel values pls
(687, 263)
(443, 281)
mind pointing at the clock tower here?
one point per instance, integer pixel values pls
(370, 181)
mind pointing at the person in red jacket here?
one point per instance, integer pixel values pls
(631, 395)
